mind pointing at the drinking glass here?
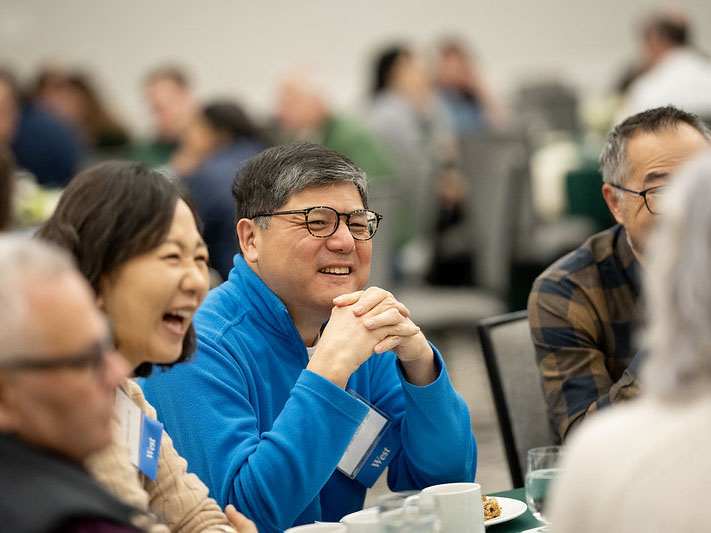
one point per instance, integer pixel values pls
(541, 469)
(408, 513)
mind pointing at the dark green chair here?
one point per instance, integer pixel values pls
(584, 192)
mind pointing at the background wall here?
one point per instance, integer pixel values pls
(241, 47)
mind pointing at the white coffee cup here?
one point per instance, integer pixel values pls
(319, 527)
(459, 506)
(365, 521)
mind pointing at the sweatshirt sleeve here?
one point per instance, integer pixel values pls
(270, 474)
(438, 444)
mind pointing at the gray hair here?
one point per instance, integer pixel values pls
(24, 261)
(613, 159)
(678, 286)
(268, 181)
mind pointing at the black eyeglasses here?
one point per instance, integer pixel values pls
(92, 357)
(651, 196)
(322, 221)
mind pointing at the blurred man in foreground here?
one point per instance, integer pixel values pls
(584, 309)
(58, 375)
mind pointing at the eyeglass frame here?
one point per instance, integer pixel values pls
(643, 193)
(306, 211)
(93, 357)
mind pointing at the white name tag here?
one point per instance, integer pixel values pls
(365, 438)
(131, 419)
(141, 434)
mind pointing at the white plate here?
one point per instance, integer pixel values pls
(510, 509)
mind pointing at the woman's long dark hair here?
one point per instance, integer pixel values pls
(111, 213)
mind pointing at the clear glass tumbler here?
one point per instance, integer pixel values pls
(408, 512)
(541, 469)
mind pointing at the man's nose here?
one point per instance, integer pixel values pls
(342, 240)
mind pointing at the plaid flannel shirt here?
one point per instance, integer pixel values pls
(583, 314)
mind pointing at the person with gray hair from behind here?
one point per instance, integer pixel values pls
(305, 386)
(584, 308)
(646, 466)
(58, 374)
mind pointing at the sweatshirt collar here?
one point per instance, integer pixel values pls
(263, 301)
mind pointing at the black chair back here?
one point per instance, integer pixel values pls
(516, 386)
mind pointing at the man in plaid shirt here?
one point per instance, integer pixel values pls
(583, 309)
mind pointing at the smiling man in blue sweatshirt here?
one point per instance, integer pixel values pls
(305, 387)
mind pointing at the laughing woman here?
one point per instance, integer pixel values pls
(134, 234)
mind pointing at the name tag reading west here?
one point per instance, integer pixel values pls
(140, 433)
(371, 448)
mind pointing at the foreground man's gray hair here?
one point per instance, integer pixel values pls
(678, 285)
(23, 262)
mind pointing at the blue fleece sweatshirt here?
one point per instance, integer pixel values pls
(265, 434)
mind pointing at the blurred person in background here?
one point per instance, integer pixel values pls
(452, 262)
(42, 144)
(173, 106)
(419, 133)
(672, 72)
(7, 185)
(584, 308)
(58, 374)
(9, 107)
(134, 235)
(215, 145)
(646, 466)
(72, 96)
(304, 114)
(461, 84)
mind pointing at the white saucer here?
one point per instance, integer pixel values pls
(510, 509)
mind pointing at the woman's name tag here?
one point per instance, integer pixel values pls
(140, 433)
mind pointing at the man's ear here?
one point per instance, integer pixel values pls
(613, 200)
(248, 236)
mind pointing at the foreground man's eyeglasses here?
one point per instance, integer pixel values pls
(92, 357)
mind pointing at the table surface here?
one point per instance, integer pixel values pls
(522, 523)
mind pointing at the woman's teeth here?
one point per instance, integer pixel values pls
(174, 320)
